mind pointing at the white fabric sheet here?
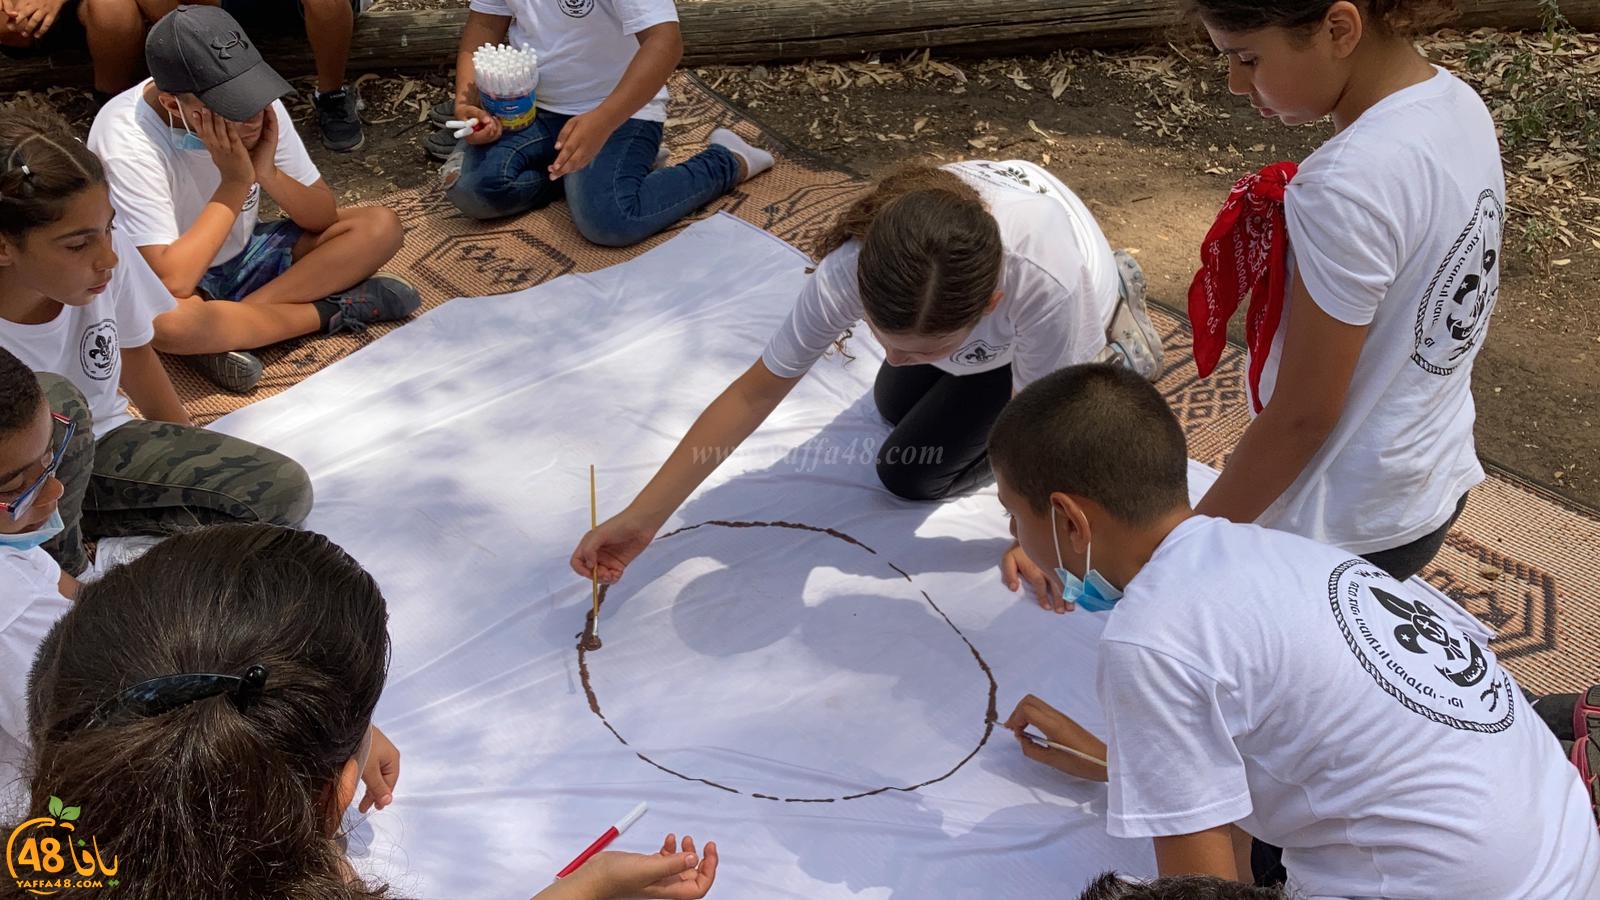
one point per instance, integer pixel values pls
(452, 458)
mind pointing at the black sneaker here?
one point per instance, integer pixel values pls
(440, 144)
(236, 370)
(442, 112)
(381, 298)
(340, 121)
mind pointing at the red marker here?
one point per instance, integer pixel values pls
(603, 841)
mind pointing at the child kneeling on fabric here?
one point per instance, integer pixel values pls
(1257, 682)
(603, 66)
(249, 660)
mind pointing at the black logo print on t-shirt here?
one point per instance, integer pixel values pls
(577, 9)
(98, 349)
(1415, 655)
(978, 353)
(1455, 309)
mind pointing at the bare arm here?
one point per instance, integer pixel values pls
(660, 48)
(68, 586)
(183, 263)
(1209, 852)
(145, 380)
(730, 418)
(1319, 358)
(718, 432)
(480, 29)
(660, 51)
(312, 206)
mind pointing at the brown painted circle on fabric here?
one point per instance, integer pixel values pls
(991, 716)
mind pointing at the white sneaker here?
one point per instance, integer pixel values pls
(116, 551)
(1132, 338)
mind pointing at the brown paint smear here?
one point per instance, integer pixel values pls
(589, 641)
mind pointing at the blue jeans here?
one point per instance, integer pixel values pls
(615, 201)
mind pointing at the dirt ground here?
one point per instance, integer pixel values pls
(1151, 140)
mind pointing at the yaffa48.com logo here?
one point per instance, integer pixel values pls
(49, 854)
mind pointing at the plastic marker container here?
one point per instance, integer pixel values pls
(507, 80)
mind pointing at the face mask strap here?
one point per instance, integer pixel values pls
(1055, 536)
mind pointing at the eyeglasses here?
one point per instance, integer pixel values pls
(19, 507)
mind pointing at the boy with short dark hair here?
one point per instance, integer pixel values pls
(189, 154)
(1258, 683)
(36, 590)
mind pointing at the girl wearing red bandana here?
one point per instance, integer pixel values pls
(1372, 269)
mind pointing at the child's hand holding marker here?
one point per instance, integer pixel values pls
(474, 124)
(1065, 745)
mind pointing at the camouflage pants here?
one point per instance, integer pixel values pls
(158, 478)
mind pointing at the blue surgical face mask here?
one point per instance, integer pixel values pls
(188, 140)
(31, 539)
(1092, 592)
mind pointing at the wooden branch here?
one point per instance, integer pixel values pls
(742, 31)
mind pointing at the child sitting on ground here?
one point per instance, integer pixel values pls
(189, 154)
(78, 302)
(1258, 683)
(602, 101)
(36, 594)
(249, 659)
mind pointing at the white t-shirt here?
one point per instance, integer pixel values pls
(583, 47)
(1053, 312)
(84, 344)
(159, 187)
(1252, 676)
(1395, 223)
(30, 604)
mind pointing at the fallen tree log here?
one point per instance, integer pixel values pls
(745, 31)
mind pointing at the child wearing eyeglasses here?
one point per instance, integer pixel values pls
(34, 592)
(77, 300)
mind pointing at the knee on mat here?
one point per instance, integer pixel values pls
(484, 195)
(613, 234)
(912, 482)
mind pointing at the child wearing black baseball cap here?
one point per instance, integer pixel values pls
(188, 154)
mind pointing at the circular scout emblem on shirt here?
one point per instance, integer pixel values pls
(577, 8)
(1455, 309)
(978, 353)
(1417, 657)
(98, 349)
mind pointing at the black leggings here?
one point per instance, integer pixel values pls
(940, 443)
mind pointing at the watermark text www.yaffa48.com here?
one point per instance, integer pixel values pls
(821, 452)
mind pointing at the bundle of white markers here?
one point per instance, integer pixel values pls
(505, 71)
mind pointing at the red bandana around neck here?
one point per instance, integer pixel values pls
(1245, 252)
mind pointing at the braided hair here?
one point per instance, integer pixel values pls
(42, 167)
